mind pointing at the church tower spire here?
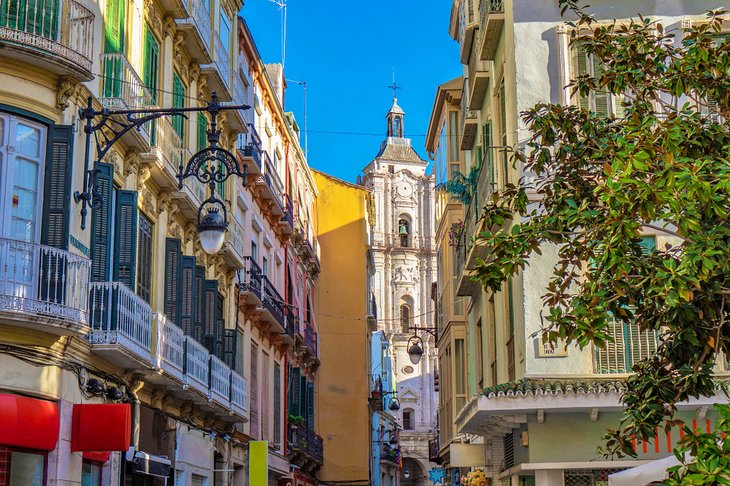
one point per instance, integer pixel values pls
(395, 115)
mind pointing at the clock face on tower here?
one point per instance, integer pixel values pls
(404, 189)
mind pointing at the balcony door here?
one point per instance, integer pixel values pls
(22, 157)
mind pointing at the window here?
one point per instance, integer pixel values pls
(90, 474)
(254, 392)
(265, 266)
(26, 468)
(408, 419)
(405, 318)
(254, 251)
(225, 31)
(114, 22)
(453, 142)
(178, 101)
(265, 431)
(277, 404)
(151, 62)
(602, 102)
(460, 373)
(391, 169)
(202, 132)
(480, 354)
(144, 265)
(32, 17)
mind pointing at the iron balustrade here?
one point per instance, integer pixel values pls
(222, 61)
(288, 209)
(62, 28)
(271, 300)
(251, 277)
(44, 281)
(220, 381)
(196, 365)
(200, 19)
(119, 316)
(249, 145)
(170, 346)
(122, 87)
(310, 339)
(305, 441)
(292, 320)
(167, 145)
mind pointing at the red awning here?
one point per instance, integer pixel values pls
(28, 422)
(101, 427)
(96, 456)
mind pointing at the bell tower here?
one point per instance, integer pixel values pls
(395, 120)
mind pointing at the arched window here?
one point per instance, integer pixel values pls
(409, 419)
(404, 231)
(405, 318)
(397, 130)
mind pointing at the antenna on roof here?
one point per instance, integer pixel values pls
(282, 8)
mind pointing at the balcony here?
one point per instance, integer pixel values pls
(390, 455)
(272, 305)
(43, 288)
(170, 348)
(192, 195)
(291, 327)
(196, 31)
(218, 71)
(287, 222)
(479, 75)
(220, 382)
(250, 286)
(491, 14)
(469, 121)
(469, 22)
(165, 153)
(270, 186)
(56, 36)
(249, 150)
(121, 325)
(239, 391)
(123, 89)
(310, 339)
(176, 9)
(237, 118)
(232, 251)
(433, 450)
(305, 447)
(197, 362)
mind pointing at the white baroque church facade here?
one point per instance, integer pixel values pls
(405, 269)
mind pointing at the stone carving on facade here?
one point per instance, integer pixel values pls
(153, 16)
(169, 27)
(177, 49)
(68, 89)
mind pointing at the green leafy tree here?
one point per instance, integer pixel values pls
(659, 163)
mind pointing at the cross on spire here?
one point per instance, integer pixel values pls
(394, 86)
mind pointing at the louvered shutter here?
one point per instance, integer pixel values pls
(254, 392)
(612, 357)
(239, 351)
(172, 278)
(601, 97)
(151, 62)
(178, 101)
(220, 327)
(303, 403)
(187, 294)
(57, 189)
(511, 307)
(265, 395)
(277, 403)
(101, 225)
(125, 229)
(579, 60)
(310, 405)
(230, 338)
(211, 316)
(199, 310)
(114, 26)
(202, 131)
(294, 403)
(489, 156)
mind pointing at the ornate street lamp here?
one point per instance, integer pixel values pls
(211, 165)
(415, 343)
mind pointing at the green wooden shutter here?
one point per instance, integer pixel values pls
(57, 188)
(580, 67)
(310, 405)
(172, 278)
(125, 230)
(211, 315)
(187, 294)
(114, 22)
(199, 311)
(178, 101)
(151, 62)
(220, 327)
(303, 404)
(101, 225)
(601, 98)
(648, 244)
(294, 403)
(202, 132)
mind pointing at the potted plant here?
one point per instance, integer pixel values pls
(296, 420)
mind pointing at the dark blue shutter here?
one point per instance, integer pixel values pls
(310, 405)
(125, 230)
(210, 338)
(172, 279)
(303, 405)
(101, 224)
(57, 188)
(294, 404)
(199, 310)
(187, 294)
(229, 347)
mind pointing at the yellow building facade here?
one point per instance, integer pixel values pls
(343, 215)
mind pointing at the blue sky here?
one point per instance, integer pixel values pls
(346, 51)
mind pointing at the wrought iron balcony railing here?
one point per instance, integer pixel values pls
(304, 441)
(170, 347)
(121, 85)
(45, 282)
(220, 381)
(120, 318)
(251, 277)
(271, 300)
(60, 31)
(310, 339)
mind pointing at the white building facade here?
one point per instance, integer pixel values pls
(405, 269)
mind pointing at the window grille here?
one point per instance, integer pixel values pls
(588, 477)
(509, 450)
(629, 346)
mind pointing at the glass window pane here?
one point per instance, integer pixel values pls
(90, 474)
(27, 140)
(26, 469)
